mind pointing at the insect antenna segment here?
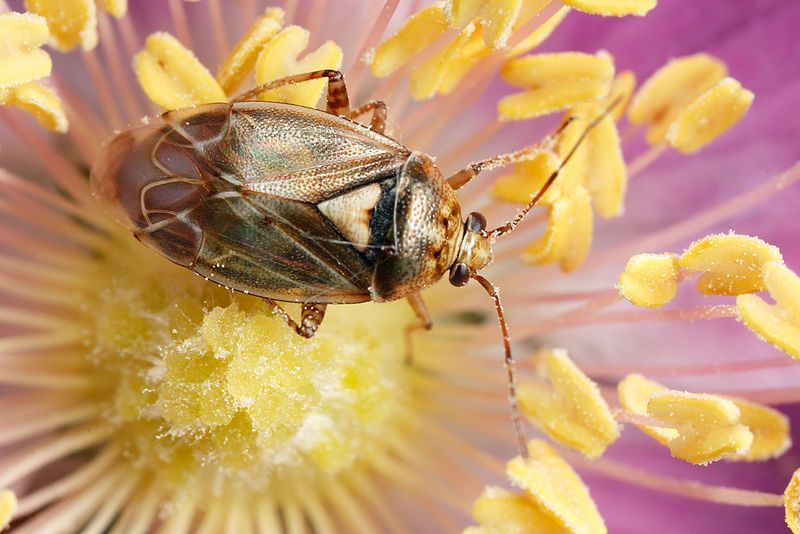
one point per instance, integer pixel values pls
(510, 225)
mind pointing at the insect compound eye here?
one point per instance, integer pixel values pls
(459, 274)
(476, 222)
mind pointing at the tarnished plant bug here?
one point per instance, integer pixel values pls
(295, 204)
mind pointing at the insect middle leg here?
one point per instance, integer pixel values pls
(424, 323)
(338, 101)
(310, 319)
(378, 108)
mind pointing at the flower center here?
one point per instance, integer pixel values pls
(200, 380)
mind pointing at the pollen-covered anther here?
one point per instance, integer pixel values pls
(71, 22)
(242, 58)
(698, 428)
(569, 231)
(172, 76)
(416, 34)
(569, 406)
(498, 510)
(791, 503)
(712, 114)
(779, 323)
(527, 178)
(615, 8)
(770, 428)
(439, 72)
(278, 59)
(21, 58)
(8, 505)
(115, 8)
(650, 280)
(499, 17)
(554, 82)
(41, 102)
(731, 263)
(668, 92)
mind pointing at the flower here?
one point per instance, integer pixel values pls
(137, 394)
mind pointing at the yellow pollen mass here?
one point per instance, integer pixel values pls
(650, 280)
(115, 8)
(615, 8)
(554, 82)
(791, 503)
(634, 392)
(172, 76)
(8, 505)
(527, 178)
(779, 323)
(709, 427)
(278, 58)
(569, 231)
(731, 263)
(499, 511)
(569, 407)
(621, 89)
(416, 34)
(712, 114)
(21, 58)
(770, 428)
(452, 61)
(242, 58)
(499, 18)
(556, 488)
(664, 96)
(41, 102)
(71, 22)
(459, 13)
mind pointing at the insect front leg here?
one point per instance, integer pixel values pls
(310, 319)
(378, 107)
(338, 101)
(424, 323)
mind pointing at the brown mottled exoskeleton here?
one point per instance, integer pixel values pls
(300, 205)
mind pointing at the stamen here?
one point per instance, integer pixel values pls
(114, 64)
(731, 263)
(71, 23)
(570, 408)
(22, 58)
(650, 279)
(112, 503)
(180, 22)
(218, 29)
(369, 41)
(615, 8)
(8, 507)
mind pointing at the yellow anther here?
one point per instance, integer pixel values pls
(41, 102)
(71, 22)
(499, 18)
(779, 323)
(770, 430)
(711, 115)
(21, 59)
(419, 31)
(428, 78)
(634, 393)
(568, 236)
(541, 33)
(459, 13)
(8, 505)
(731, 263)
(499, 511)
(615, 8)
(650, 279)
(598, 163)
(791, 503)
(242, 58)
(527, 178)
(278, 58)
(116, 8)
(570, 409)
(709, 427)
(671, 89)
(621, 90)
(552, 484)
(460, 63)
(172, 76)
(554, 82)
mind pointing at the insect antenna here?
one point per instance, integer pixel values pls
(510, 225)
(509, 361)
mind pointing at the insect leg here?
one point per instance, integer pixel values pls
(310, 319)
(378, 107)
(424, 323)
(509, 360)
(338, 101)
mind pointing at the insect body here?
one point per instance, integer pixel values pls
(298, 205)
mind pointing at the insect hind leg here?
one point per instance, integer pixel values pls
(378, 108)
(310, 319)
(424, 323)
(338, 101)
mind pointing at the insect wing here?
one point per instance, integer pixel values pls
(277, 249)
